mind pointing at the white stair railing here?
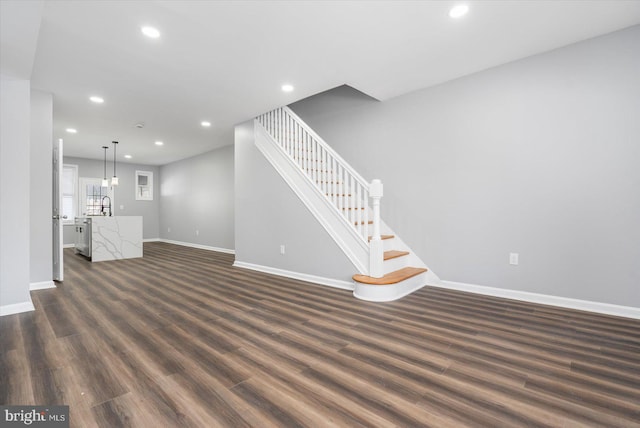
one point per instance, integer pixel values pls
(347, 191)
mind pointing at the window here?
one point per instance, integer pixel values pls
(144, 186)
(69, 192)
(92, 195)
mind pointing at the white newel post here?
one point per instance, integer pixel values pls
(376, 250)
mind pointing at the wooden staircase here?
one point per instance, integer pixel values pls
(347, 205)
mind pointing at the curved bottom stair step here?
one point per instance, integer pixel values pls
(390, 278)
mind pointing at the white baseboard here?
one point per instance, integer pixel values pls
(152, 240)
(41, 285)
(69, 246)
(16, 308)
(544, 299)
(336, 283)
(202, 247)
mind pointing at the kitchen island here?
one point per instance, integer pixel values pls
(104, 238)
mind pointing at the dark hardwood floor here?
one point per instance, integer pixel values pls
(182, 338)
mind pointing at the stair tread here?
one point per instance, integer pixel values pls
(390, 278)
(388, 255)
(383, 237)
(362, 222)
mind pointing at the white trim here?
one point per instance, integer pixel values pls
(16, 308)
(152, 240)
(335, 283)
(544, 299)
(202, 247)
(41, 285)
(69, 246)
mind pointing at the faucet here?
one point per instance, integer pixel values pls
(102, 207)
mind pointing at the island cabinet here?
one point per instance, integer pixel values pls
(102, 238)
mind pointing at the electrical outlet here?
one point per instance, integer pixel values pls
(282, 249)
(121, 207)
(197, 232)
(168, 230)
(513, 259)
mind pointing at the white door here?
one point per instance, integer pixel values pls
(58, 260)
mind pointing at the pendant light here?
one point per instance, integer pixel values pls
(105, 182)
(114, 179)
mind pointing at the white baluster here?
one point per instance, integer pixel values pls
(323, 172)
(307, 152)
(292, 141)
(313, 160)
(352, 214)
(334, 179)
(365, 200)
(301, 152)
(345, 192)
(278, 128)
(287, 140)
(281, 129)
(296, 141)
(376, 248)
(338, 176)
(358, 206)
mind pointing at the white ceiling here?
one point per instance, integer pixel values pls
(225, 61)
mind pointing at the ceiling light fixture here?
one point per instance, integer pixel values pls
(105, 182)
(287, 88)
(97, 100)
(458, 11)
(205, 123)
(114, 179)
(128, 156)
(72, 131)
(159, 143)
(150, 32)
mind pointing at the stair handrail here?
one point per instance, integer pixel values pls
(281, 123)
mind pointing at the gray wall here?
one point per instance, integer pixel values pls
(41, 261)
(197, 195)
(124, 192)
(539, 157)
(14, 191)
(269, 214)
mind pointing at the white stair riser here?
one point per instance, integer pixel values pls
(387, 245)
(395, 264)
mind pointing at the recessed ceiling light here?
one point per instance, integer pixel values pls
(205, 123)
(287, 88)
(128, 156)
(159, 143)
(150, 32)
(97, 100)
(458, 11)
(72, 131)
